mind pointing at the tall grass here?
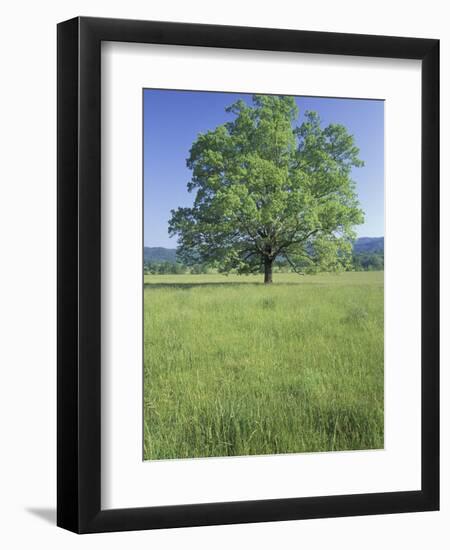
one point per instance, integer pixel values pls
(234, 367)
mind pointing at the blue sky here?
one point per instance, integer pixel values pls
(173, 119)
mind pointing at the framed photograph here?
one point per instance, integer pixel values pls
(248, 275)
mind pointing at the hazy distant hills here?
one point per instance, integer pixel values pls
(159, 254)
(363, 245)
(369, 245)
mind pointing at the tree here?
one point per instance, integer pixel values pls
(369, 261)
(267, 188)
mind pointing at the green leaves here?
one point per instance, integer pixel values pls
(266, 188)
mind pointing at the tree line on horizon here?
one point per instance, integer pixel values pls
(366, 261)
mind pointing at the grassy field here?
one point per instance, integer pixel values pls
(235, 367)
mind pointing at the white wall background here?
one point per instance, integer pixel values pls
(28, 271)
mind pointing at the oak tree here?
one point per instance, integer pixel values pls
(267, 187)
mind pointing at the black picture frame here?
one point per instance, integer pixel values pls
(79, 281)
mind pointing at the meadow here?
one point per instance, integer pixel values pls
(236, 367)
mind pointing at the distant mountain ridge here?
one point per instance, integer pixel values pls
(369, 245)
(363, 245)
(158, 254)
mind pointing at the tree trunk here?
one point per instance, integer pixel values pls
(268, 270)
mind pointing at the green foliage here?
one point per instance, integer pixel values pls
(234, 367)
(172, 268)
(163, 267)
(368, 261)
(267, 188)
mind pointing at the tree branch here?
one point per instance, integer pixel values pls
(292, 265)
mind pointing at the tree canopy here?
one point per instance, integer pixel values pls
(266, 188)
